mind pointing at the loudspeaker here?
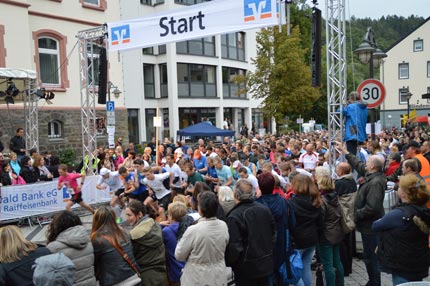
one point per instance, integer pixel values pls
(103, 63)
(316, 47)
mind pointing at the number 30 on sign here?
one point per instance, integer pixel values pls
(372, 91)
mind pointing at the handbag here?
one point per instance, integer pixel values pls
(292, 268)
(123, 255)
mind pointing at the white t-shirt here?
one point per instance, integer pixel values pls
(176, 173)
(309, 161)
(157, 185)
(113, 182)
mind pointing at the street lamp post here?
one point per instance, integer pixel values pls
(116, 91)
(110, 114)
(408, 96)
(369, 53)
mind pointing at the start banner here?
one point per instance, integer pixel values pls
(195, 21)
(42, 198)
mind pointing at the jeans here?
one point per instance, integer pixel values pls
(307, 254)
(370, 242)
(398, 280)
(330, 258)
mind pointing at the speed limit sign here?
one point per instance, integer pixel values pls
(372, 91)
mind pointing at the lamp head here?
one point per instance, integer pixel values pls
(116, 92)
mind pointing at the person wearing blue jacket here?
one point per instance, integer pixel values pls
(355, 117)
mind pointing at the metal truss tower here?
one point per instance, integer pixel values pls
(31, 114)
(89, 42)
(336, 71)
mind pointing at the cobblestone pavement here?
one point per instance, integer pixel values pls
(357, 278)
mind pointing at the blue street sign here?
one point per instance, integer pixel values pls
(110, 105)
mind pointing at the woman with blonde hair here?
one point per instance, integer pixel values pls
(331, 234)
(17, 255)
(172, 233)
(109, 240)
(306, 203)
(226, 198)
(40, 167)
(403, 246)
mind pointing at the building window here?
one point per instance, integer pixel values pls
(230, 88)
(196, 80)
(403, 71)
(133, 125)
(151, 2)
(163, 81)
(190, 2)
(202, 46)
(50, 58)
(162, 49)
(418, 45)
(148, 80)
(93, 64)
(148, 51)
(149, 120)
(233, 46)
(402, 96)
(166, 124)
(428, 68)
(191, 116)
(100, 5)
(55, 129)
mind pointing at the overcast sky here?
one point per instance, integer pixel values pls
(377, 8)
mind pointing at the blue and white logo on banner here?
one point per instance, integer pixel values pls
(257, 9)
(120, 35)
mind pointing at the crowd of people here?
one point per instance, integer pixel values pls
(182, 216)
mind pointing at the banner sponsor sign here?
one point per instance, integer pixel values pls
(195, 21)
(42, 198)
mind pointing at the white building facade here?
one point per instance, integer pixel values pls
(407, 67)
(187, 82)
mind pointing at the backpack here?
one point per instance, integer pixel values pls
(346, 203)
(53, 270)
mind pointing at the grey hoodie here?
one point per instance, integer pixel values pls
(75, 243)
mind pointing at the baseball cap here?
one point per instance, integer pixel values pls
(236, 164)
(104, 171)
(254, 140)
(413, 144)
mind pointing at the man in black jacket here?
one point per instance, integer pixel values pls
(17, 144)
(252, 237)
(368, 207)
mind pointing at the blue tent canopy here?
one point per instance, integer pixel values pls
(204, 129)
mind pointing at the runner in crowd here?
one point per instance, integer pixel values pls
(69, 181)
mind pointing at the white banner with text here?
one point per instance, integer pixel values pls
(42, 198)
(195, 21)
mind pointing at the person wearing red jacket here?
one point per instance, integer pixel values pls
(394, 162)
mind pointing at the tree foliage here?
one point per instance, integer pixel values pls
(282, 77)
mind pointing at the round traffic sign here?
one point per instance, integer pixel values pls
(372, 91)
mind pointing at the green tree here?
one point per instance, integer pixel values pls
(282, 77)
